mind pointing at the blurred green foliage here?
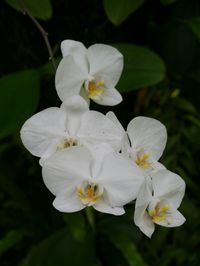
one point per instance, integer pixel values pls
(41, 9)
(118, 10)
(161, 79)
(19, 99)
(142, 67)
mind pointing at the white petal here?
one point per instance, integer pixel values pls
(109, 97)
(147, 226)
(69, 78)
(105, 61)
(145, 193)
(125, 141)
(65, 202)
(75, 107)
(104, 207)
(74, 48)
(156, 166)
(111, 115)
(174, 219)
(97, 128)
(66, 168)
(70, 47)
(169, 186)
(148, 134)
(141, 218)
(120, 178)
(77, 50)
(143, 199)
(99, 151)
(84, 94)
(42, 131)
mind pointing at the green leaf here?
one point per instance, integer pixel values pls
(142, 67)
(61, 249)
(41, 9)
(118, 10)
(128, 249)
(194, 25)
(19, 96)
(10, 240)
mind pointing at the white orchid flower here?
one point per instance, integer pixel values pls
(73, 124)
(92, 73)
(158, 201)
(103, 179)
(147, 140)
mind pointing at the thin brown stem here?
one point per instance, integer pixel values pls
(43, 33)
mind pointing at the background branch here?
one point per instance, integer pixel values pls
(43, 33)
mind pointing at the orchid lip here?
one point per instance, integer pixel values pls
(89, 192)
(159, 211)
(142, 159)
(66, 143)
(95, 89)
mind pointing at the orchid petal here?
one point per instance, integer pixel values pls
(105, 61)
(99, 151)
(169, 186)
(77, 50)
(42, 131)
(96, 127)
(121, 179)
(148, 134)
(156, 166)
(68, 203)
(69, 78)
(74, 107)
(125, 141)
(174, 219)
(111, 115)
(109, 97)
(104, 207)
(60, 170)
(84, 94)
(141, 217)
(143, 199)
(147, 227)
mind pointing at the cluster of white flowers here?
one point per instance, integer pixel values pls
(88, 159)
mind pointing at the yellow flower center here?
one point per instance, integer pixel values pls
(66, 143)
(159, 213)
(89, 192)
(95, 90)
(142, 160)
